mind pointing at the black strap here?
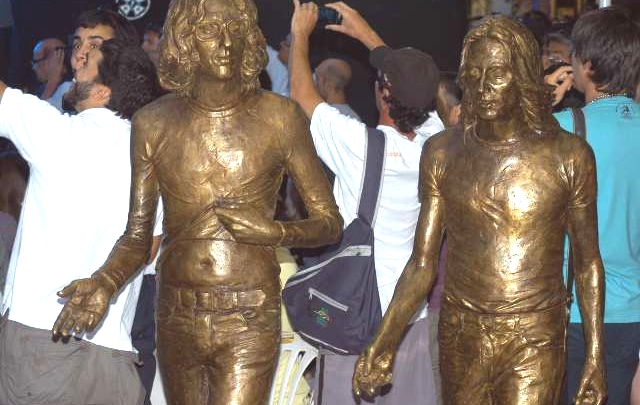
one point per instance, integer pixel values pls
(373, 166)
(320, 377)
(579, 126)
(580, 129)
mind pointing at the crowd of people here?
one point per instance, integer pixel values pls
(67, 194)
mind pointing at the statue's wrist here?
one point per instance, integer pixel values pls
(283, 233)
(106, 281)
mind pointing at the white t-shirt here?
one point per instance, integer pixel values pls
(340, 143)
(75, 208)
(430, 127)
(278, 73)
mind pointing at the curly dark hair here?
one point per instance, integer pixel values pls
(524, 58)
(131, 76)
(405, 118)
(122, 28)
(178, 57)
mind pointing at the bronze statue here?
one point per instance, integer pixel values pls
(506, 186)
(215, 150)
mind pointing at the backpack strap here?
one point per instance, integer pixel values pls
(373, 167)
(579, 126)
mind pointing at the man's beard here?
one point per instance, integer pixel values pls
(79, 92)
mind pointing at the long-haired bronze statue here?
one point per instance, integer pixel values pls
(506, 187)
(215, 150)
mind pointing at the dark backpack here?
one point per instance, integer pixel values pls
(335, 303)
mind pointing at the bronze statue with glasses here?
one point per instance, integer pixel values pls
(215, 150)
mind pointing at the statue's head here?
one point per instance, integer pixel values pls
(501, 77)
(217, 38)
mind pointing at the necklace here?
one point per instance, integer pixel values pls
(606, 95)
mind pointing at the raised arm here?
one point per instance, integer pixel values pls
(373, 369)
(88, 299)
(589, 273)
(302, 88)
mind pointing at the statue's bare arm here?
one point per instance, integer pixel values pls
(88, 299)
(589, 274)
(373, 369)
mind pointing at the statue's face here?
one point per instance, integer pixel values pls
(491, 80)
(220, 39)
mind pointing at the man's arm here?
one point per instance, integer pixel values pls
(302, 88)
(589, 273)
(3, 87)
(373, 369)
(355, 26)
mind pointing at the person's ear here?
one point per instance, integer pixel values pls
(588, 70)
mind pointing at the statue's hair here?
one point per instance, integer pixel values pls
(178, 56)
(524, 58)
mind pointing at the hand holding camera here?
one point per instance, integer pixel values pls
(354, 25)
(561, 78)
(337, 17)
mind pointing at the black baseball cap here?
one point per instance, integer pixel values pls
(412, 74)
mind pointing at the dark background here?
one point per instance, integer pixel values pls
(434, 26)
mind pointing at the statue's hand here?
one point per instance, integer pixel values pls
(88, 302)
(249, 225)
(372, 372)
(593, 387)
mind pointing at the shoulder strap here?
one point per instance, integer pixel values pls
(580, 129)
(579, 126)
(373, 166)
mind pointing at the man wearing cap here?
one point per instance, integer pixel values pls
(405, 89)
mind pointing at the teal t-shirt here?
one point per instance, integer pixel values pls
(613, 131)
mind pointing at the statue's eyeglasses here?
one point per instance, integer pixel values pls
(206, 31)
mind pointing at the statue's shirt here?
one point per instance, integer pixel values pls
(198, 160)
(505, 214)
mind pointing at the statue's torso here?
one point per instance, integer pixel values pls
(506, 213)
(229, 159)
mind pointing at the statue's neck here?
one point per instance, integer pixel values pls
(216, 94)
(505, 131)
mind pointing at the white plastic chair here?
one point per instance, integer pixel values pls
(295, 357)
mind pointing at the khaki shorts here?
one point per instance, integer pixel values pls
(34, 370)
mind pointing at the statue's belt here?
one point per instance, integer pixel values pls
(211, 299)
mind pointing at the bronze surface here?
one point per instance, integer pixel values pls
(506, 187)
(215, 150)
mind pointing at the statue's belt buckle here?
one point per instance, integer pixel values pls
(220, 299)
